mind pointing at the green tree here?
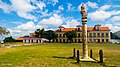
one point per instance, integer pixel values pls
(50, 35)
(39, 33)
(4, 31)
(9, 39)
(70, 35)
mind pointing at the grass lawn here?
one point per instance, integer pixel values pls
(56, 55)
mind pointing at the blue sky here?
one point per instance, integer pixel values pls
(24, 16)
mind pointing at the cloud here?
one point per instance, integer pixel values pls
(27, 26)
(71, 23)
(23, 8)
(60, 8)
(45, 13)
(41, 5)
(99, 15)
(5, 7)
(79, 7)
(114, 12)
(69, 6)
(112, 27)
(105, 7)
(54, 20)
(17, 22)
(54, 2)
(115, 19)
(92, 4)
(23, 29)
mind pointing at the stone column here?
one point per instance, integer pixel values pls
(84, 31)
(30, 40)
(23, 40)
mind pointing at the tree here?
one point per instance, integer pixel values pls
(4, 31)
(9, 39)
(39, 33)
(50, 35)
(70, 35)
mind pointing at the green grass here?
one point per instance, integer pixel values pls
(56, 55)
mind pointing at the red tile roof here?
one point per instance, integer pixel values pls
(89, 29)
(68, 29)
(104, 28)
(19, 38)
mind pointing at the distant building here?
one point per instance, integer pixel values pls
(31, 39)
(96, 34)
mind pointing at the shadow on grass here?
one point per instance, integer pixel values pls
(102, 64)
(62, 57)
(75, 62)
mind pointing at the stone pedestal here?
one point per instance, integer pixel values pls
(88, 59)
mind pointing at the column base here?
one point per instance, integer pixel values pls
(88, 59)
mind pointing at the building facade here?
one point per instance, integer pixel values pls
(96, 34)
(31, 39)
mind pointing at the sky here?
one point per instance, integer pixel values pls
(21, 17)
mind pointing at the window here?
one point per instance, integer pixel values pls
(56, 40)
(106, 34)
(78, 40)
(64, 40)
(107, 40)
(60, 35)
(60, 40)
(78, 29)
(90, 35)
(94, 34)
(78, 34)
(94, 40)
(57, 35)
(102, 40)
(90, 40)
(98, 34)
(63, 35)
(98, 40)
(102, 34)
(60, 30)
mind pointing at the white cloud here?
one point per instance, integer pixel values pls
(71, 23)
(60, 8)
(105, 7)
(27, 26)
(23, 7)
(79, 7)
(115, 19)
(41, 5)
(114, 12)
(54, 20)
(45, 13)
(92, 4)
(99, 15)
(54, 2)
(69, 6)
(5, 7)
(113, 27)
(24, 29)
(17, 22)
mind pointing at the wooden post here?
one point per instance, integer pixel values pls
(78, 59)
(74, 53)
(101, 56)
(91, 53)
